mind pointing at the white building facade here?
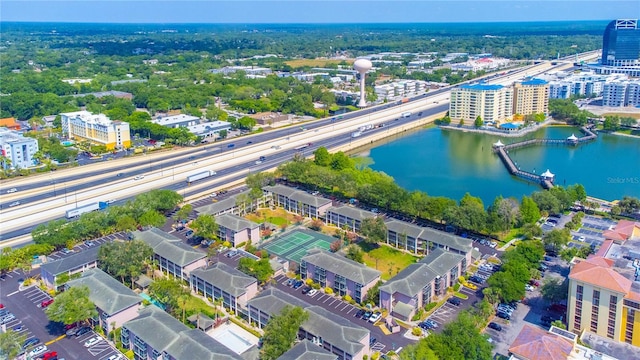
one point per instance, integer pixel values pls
(19, 150)
(490, 102)
(97, 129)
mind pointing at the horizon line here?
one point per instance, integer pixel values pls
(293, 23)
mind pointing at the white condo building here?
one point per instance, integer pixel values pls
(585, 83)
(98, 129)
(19, 150)
(490, 102)
(624, 93)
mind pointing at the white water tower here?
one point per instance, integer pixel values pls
(362, 66)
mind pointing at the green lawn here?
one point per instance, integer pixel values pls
(277, 220)
(386, 259)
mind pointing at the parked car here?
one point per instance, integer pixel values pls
(503, 315)
(46, 303)
(372, 341)
(375, 317)
(94, 340)
(72, 331)
(312, 292)
(367, 315)
(8, 317)
(291, 281)
(298, 284)
(51, 355)
(83, 330)
(66, 251)
(306, 290)
(30, 342)
(534, 282)
(495, 326)
(528, 287)
(38, 350)
(115, 357)
(360, 313)
(188, 233)
(454, 301)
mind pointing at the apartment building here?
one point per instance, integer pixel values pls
(619, 94)
(173, 256)
(17, 150)
(531, 97)
(344, 276)
(604, 292)
(154, 334)
(490, 102)
(58, 272)
(236, 230)
(97, 129)
(421, 283)
(347, 217)
(422, 240)
(329, 331)
(221, 281)
(116, 303)
(297, 201)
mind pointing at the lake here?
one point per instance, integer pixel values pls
(450, 163)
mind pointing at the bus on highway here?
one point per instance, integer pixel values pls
(301, 147)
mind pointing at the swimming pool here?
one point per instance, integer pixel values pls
(233, 341)
(153, 301)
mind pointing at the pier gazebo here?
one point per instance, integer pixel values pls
(548, 175)
(498, 144)
(573, 139)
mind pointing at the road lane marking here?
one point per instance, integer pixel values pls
(56, 339)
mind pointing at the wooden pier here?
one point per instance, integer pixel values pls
(544, 181)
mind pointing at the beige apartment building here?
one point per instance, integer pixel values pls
(604, 294)
(531, 97)
(97, 129)
(493, 103)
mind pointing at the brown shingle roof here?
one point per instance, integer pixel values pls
(533, 343)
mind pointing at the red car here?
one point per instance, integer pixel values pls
(46, 303)
(51, 355)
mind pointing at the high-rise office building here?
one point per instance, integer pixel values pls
(620, 48)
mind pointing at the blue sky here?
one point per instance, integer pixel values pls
(303, 11)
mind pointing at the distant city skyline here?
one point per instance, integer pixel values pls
(302, 11)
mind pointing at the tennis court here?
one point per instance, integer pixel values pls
(294, 245)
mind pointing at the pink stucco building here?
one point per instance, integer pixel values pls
(221, 281)
(237, 230)
(297, 201)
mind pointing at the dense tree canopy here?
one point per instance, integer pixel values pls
(72, 306)
(281, 332)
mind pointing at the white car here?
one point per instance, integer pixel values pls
(139, 177)
(94, 340)
(582, 239)
(111, 201)
(12, 190)
(38, 350)
(115, 357)
(375, 317)
(213, 195)
(258, 162)
(15, 203)
(312, 292)
(529, 287)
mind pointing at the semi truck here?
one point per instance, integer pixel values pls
(200, 176)
(86, 209)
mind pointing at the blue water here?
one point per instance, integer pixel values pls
(450, 163)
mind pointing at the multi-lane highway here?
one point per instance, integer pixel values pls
(47, 197)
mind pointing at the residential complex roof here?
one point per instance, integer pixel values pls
(163, 332)
(342, 266)
(220, 206)
(623, 231)
(535, 343)
(596, 272)
(107, 293)
(306, 350)
(235, 222)
(415, 277)
(169, 247)
(351, 212)
(332, 328)
(223, 276)
(534, 81)
(297, 195)
(439, 237)
(72, 262)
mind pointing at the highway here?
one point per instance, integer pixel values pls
(46, 197)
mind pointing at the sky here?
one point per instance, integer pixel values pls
(303, 11)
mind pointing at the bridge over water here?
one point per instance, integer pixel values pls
(545, 179)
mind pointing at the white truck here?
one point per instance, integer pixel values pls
(86, 209)
(200, 176)
(406, 114)
(356, 134)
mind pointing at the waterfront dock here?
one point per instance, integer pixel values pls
(545, 179)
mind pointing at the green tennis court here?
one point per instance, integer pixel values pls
(294, 245)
